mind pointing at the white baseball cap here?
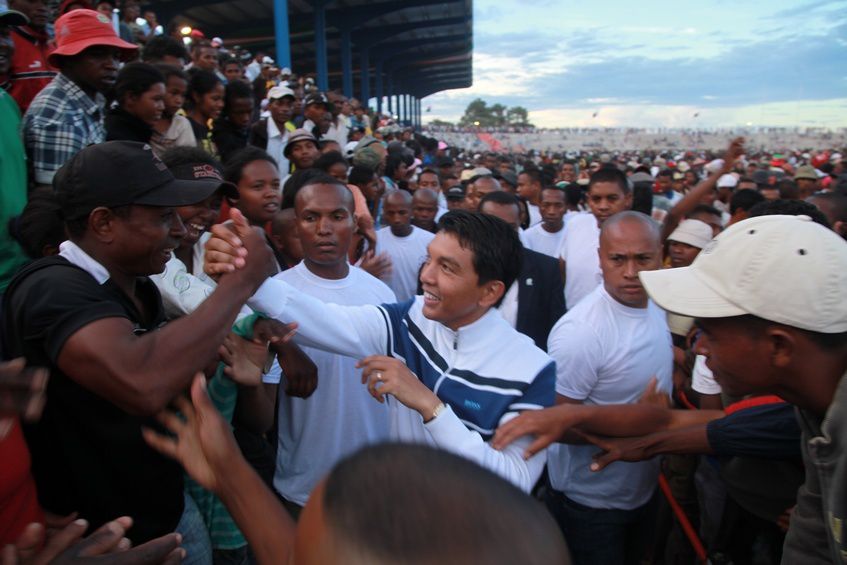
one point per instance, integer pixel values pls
(727, 181)
(786, 269)
(280, 92)
(693, 232)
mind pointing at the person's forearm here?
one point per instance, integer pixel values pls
(254, 409)
(692, 439)
(260, 517)
(689, 202)
(624, 420)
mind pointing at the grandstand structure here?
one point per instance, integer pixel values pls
(399, 51)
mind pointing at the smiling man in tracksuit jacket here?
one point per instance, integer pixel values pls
(452, 368)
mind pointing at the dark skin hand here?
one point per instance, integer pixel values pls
(203, 444)
(107, 546)
(22, 390)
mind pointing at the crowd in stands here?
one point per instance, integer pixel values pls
(247, 321)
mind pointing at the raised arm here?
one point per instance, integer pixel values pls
(704, 187)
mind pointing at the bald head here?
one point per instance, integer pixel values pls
(425, 196)
(398, 198)
(630, 242)
(632, 222)
(484, 185)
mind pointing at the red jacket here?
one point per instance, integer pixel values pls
(30, 70)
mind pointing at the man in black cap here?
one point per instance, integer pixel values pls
(456, 198)
(315, 105)
(94, 318)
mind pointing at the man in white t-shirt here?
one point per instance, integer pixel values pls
(546, 237)
(608, 194)
(607, 350)
(340, 416)
(404, 243)
(529, 188)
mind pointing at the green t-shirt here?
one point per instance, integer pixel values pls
(13, 186)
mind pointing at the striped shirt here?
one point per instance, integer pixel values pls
(485, 373)
(61, 121)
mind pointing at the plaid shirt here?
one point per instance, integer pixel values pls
(61, 121)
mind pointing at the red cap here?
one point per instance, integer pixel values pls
(78, 30)
(65, 4)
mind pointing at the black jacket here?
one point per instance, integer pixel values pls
(123, 126)
(541, 296)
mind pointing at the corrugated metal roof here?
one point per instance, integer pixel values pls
(425, 45)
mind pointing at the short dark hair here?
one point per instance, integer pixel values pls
(790, 208)
(323, 178)
(665, 173)
(497, 250)
(826, 341)
(169, 71)
(298, 180)
(500, 197)
(705, 209)
(200, 82)
(136, 79)
(434, 507)
(327, 160)
(788, 189)
(838, 201)
(744, 199)
(533, 173)
(242, 158)
(610, 174)
(163, 46)
(40, 224)
(186, 155)
(359, 175)
(428, 171)
(235, 90)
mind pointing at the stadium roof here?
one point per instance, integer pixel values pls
(415, 47)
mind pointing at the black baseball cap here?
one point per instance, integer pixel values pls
(315, 98)
(120, 173)
(456, 192)
(205, 171)
(12, 18)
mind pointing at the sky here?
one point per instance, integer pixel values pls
(657, 63)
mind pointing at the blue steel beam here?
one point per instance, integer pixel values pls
(346, 64)
(283, 46)
(321, 69)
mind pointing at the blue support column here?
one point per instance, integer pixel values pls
(420, 115)
(390, 94)
(403, 113)
(320, 46)
(346, 63)
(378, 85)
(365, 63)
(283, 43)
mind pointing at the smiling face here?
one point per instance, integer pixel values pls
(452, 293)
(627, 248)
(211, 103)
(259, 193)
(144, 239)
(147, 106)
(198, 218)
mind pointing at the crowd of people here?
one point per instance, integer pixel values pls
(244, 320)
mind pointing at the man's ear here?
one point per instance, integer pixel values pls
(493, 291)
(101, 223)
(782, 344)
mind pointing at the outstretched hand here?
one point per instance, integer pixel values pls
(244, 359)
(630, 449)
(203, 443)
(733, 153)
(548, 426)
(107, 546)
(377, 265)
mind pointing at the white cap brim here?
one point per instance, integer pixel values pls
(683, 292)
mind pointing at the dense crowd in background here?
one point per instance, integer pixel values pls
(244, 320)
